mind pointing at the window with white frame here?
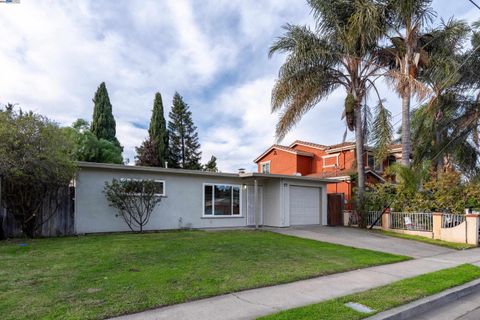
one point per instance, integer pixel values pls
(330, 160)
(221, 200)
(265, 167)
(159, 186)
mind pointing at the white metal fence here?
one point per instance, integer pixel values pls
(418, 221)
(371, 217)
(450, 220)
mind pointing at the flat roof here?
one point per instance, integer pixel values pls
(111, 166)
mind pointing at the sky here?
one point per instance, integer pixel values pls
(55, 53)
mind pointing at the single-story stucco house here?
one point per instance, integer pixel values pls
(199, 199)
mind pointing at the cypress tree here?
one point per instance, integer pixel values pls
(103, 124)
(154, 151)
(183, 137)
(158, 130)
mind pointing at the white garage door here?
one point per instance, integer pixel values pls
(304, 205)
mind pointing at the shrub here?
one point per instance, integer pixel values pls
(36, 160)
(134, 199)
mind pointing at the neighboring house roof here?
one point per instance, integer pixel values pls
(109, 166)
(308, 144)
(286, 149)
(340, 147)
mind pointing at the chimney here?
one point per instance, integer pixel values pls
(241, 170)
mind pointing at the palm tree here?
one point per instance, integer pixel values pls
(340, 52)
(445, 129)
(406, 56)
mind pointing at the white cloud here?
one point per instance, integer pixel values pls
(54, 54)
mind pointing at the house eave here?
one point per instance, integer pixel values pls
(275, 147)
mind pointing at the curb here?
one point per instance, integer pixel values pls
(415, 308)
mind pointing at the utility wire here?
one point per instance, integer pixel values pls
(476, 5)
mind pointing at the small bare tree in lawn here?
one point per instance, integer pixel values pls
(134, 199)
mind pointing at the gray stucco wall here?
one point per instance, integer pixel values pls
(272, 211)
(182, 207)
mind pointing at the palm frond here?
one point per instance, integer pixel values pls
(382, 131)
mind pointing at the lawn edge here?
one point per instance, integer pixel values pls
(427, 303)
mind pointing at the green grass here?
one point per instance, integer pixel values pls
(383, 298)
(94, 277)
(451, 245)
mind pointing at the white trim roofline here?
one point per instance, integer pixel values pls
(283, 148)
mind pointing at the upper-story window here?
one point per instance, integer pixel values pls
(391, 160)
(330, 161)
(265, 167)
(372, 163)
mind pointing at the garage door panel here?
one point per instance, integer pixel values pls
(304, 205)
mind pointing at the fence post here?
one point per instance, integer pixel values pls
(346, 218)
(437, 225)
(472, 221)
(386, 219)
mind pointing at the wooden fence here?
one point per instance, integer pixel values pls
(60, 224)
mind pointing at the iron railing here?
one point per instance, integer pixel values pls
(450, 220)
(371, 217)
(417, 221)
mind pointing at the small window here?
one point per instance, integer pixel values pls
(159, 186)
(265, 167)
(221, 200)
(391, 160)
(372, 163)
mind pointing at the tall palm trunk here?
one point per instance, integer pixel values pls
(360, 162)
(406, 140)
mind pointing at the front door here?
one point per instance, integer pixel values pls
(250, 206)
(335, 209)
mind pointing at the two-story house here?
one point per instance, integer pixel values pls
(332, 162)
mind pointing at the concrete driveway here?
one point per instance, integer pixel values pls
(364, 239)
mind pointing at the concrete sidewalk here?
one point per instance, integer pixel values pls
(258, 302)
(360, 238)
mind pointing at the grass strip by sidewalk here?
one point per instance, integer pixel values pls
(451, 245)
(383, 298)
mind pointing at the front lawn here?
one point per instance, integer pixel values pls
(383, 298)
(94, 277)
(451, 245)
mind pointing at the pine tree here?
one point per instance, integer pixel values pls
(183, 138)
(103, 124)
(211, 165)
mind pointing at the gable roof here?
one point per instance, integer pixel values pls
(286, 149)
(308, 144)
